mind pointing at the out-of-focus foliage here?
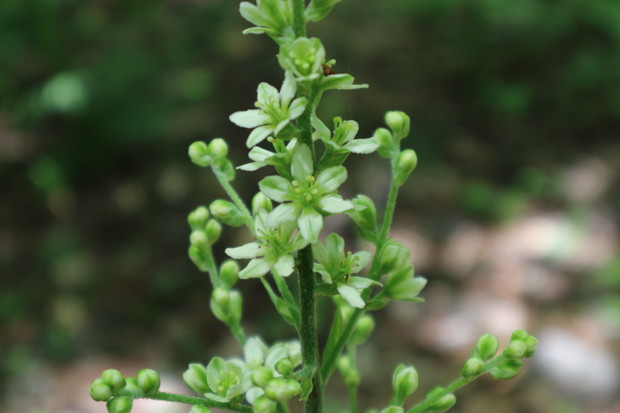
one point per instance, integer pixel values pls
(99, 100)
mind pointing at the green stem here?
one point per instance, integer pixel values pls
(234, 197)
(196, 401)
(308, 329)
(299, 21)
(237, 331)
(288, 298)
(212, 269)
(352, 390)
(330, 359)
(389, 210)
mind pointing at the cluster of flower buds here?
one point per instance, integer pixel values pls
(205, 232)
(406, 160)
(213, 155)
(404, 384)
(119, 391)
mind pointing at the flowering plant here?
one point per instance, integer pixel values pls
(289, 244)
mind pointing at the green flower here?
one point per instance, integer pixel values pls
(338, 147)
(303, 57)
(272, 17)
(263, 157)
(336, 268)
(275, 111)
(226, 379)
(272, 250)
(307, 197)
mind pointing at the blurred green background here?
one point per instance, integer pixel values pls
(515, 110)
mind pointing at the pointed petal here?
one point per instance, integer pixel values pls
(288, 89)
(285, 265)
(334, 244)
(334, 204)
(301, 163)
(281, 214)
(256, 268)
(246, 251)
(258, 135)
(361, 259)
(275, 187)
(310, 224)
(252, 14)
(259, 154)
(298, 243)
(266, 93)
(280, 126)
(352, 296)
(252, 166)
(360, 282)
(321, 131)
(297, 108)
(363, 146)
(331, 178)
(249, 118)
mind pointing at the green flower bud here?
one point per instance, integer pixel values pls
(364, 214)
(198, 218)
(226, 305)
(260, 201)
(213, 229)
(114, 379)
(519, 335)
(263, 404)
(487, 347)
(281, 389)
(318, 9)
(229, 271)
(218, 149)
(122, 404)
(199, 154)
(198, 257)
(444, 403)
(532, 344)
(403, 285)
(195, 377)
(284, 367)
(394, 256)
(148, 381)
(199, 239)
(199, 409)
(399, 123)
(363, 329)
(404, 383)
(227, 212)
(349, 372)
(473, 367)
(262, 376)
(227, 168)
(387, 146)
(516, 349)
(405, 164)
(303, 57)
(393, 409)
(100, 391)
(507, 369)
(221, 297)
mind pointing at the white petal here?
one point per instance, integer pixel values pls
(281, 214)
(246, 251)
(331, 178)
(363, 146)
(310, 224)
(297, 108)
(258, 135)
(252, 166)
(256, 268)
(320, 129)
(352, 296)
(360, 282)
(249, 118)
(280, 126)
(259, 154)
(275, 187)
(362, 258)
(266, 93)
(301, 164)
(254, 351)
(334, 204)
(285, 265)
(288, 89)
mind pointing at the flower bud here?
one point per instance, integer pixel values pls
(394, 256)
(226, 305)
(364, 214)
(519, 334)
(198, 218)
(218, 149)
(363, 329)
(532, 344)
(199, 154)
(405, 164)
(404, 383)
(229, 272)
(487, 347)
(303, 57)
(516, 349)
(284, 367)
(213, 229)
(444, 403)
(122, 404)
(99, 391)
(114, 379)
(281, 389)
(195, 377)
(349, 372)
(227, 212)
(399, 123)
(507, 369)
(228, 169)
(199, 239)
(263, 404)
(198, 257)
(262, 376)
(199, 409)
(260, 201)
(148, 381)
(387, 145)
(473, 367)
(393, 409)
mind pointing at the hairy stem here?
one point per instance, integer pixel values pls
(195, 401)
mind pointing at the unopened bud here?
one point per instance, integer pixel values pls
(227, 212)
(487, 347)
(405, 164)
(284, 367)
(399, 122)
(199, 409)
(364, 214)
(363, 329)
(507, 369)
(195, 377)
(263, 404)
(213, 229)
(532, 344)
(114, 379)
(262, 376)
(281, 389)
(404, 383)
(444, 403)
(122, 404)
(386, 142)
(199, 238)
(198, 218)
(229, 271)
(199, 154)
(473, 367)
(148, 381)
(516, 349)
(394, 257)
(218, 149)
(349, 372)
(260, 201)
(519, 334)
(99, 391)
(198, 257)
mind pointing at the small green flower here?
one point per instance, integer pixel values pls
(336, 268)
(275, 110)
(302, 57)
(272, 17)
(338, 147)
(226, 379)
(272, 250)
(307, 197)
